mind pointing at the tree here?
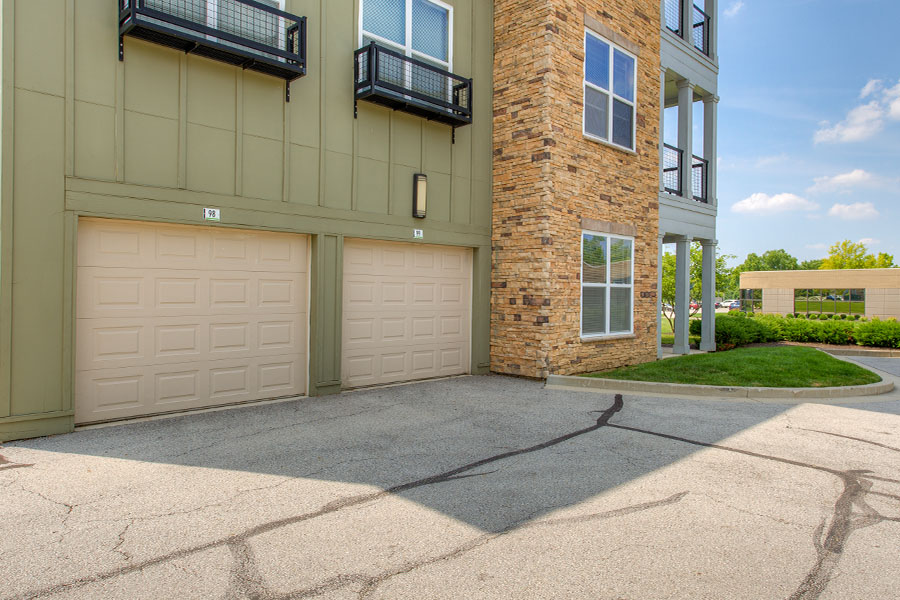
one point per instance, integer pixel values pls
(812, 265)
(667, 293)
(852, 255)
(771, 260)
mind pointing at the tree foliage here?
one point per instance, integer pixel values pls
(854, 255)
(667, 294)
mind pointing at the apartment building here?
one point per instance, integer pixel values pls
(208, 202)
(213, 202)
(585, 191)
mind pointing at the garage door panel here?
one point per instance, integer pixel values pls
(172, 317)
(406, 312)
(109, 343)
(132, 244)
(104, 292)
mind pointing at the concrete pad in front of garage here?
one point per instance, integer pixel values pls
(476, 487)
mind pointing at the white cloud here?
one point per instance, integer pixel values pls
(764, 204)
(842, 182)
(857, 211)
(861, 123)
(734, 9)
(874, 85)
(865, 120)
(869, 241)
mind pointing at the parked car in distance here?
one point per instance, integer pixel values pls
(695, 305)
(735, 305)
(718, 305)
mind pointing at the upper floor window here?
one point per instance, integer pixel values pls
(609, 92)
(422, 29)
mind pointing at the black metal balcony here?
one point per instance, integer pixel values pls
(245, 33)
(410, 85)
(699, 169)
(672, 158)
(673, 16)
(701, 29)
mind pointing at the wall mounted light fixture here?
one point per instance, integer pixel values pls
(420, 195)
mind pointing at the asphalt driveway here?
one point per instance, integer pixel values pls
(478, 487)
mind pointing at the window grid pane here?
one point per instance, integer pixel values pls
(596, 113)
(596, 61)
(430, 30)
(623, 123)
(386, 18)
(620, 310)
(593, 311)
(623, 76)
(620, 261)
(594, 259)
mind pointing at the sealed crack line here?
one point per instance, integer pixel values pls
(329, 508)
(855, 439)
(857, 485)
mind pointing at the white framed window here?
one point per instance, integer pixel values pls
(607, 284)
(421, 29)
(610, 92)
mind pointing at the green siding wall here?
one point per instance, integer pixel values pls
(163, 134)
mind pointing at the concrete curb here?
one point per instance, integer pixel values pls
(648, 387)
(883, 353)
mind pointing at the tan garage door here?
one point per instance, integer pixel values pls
(171, 317)
(406, 312)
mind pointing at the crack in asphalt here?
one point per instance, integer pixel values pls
(844, 520)
(856, 439)
(6, 464)
(851, 512)
(329, 508)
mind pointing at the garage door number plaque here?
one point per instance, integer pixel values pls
(212, 214)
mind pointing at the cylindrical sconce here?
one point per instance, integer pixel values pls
(420, 195)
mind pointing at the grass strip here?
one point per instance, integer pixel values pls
(779, 367)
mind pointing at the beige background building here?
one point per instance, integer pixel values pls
(882, 288)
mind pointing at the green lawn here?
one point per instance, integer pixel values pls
(668, 336)
(786, 366)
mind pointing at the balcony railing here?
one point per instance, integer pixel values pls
(673, 16)
(699, 169)
(402, 83)
(245, 33)
(672, 158)
(701, 29)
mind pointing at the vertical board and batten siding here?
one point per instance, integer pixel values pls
(162, 134)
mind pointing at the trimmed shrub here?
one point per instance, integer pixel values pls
(878, 333)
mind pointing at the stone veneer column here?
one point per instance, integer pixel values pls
(708, 331)
(682, 295)
(686, 136)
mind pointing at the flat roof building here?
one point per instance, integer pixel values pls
(868, 292)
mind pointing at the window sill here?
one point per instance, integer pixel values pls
(603, 142)
(608, 338)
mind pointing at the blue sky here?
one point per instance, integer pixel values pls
(809, 125)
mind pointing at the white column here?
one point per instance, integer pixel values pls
(686, 135)
(708, 331)
(659, 303)
(687, 21)
(710, 146)
(682, 295)
(662, 124)
(712, 9)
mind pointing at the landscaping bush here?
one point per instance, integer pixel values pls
(734, 330)
(882, 334)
